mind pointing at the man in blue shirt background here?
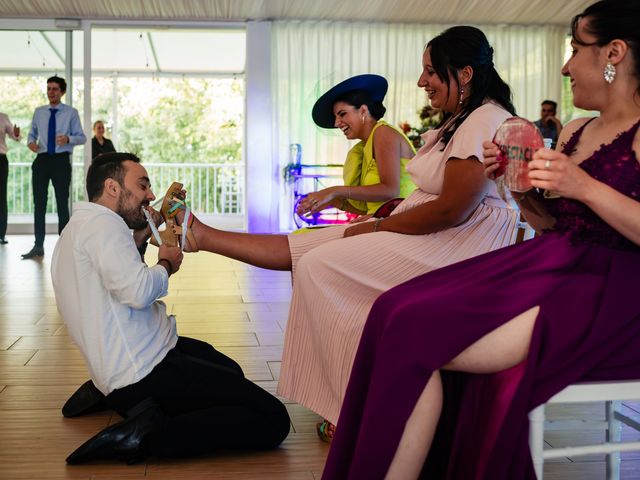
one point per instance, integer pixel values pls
(55, 130)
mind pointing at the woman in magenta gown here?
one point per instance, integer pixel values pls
(451, 362)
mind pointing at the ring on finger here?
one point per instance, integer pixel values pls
(547, 165)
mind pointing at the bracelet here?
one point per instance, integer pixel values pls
(377, 223)
(170, 269)
(348, 191)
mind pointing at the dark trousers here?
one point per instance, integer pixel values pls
(207, 404)
(57, 168)
(4, 175)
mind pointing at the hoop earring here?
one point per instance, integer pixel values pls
(461, 96)
(609, 73)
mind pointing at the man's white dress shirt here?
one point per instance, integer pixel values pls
(108, 298)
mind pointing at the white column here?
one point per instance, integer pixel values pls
(86, 28)
(114, 112)
(68, 73)
(262, 170)
(68, 65)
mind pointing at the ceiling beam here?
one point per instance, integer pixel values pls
(52, 46)
(153, 52)
(125, 74)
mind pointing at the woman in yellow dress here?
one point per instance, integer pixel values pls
(374, 171)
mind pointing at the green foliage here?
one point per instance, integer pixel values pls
(181, 120)
(166, 120)
(429, 118)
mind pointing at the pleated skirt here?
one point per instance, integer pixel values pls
(337, 279)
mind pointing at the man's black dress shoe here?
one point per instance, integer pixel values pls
(87, 399)
(122, 441)
(3, 241)
(34, 252)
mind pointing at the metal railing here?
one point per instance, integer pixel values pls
(216, 189)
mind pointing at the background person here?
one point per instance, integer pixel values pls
(548, 123)
(99, 143)
(55, 130)
(6, 129)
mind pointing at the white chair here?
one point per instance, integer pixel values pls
(612, 393)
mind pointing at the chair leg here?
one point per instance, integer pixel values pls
(614, 430)
(536, 439)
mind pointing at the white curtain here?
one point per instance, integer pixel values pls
(309, 57)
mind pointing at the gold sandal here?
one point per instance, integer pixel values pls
(325, 430)
(175, 235)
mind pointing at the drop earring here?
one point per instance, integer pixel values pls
(461, 96)
(609, 73)
(363, 119)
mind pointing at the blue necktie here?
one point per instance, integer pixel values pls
(51, 134)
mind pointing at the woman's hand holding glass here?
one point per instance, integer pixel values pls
(554, 171)
(549, 170)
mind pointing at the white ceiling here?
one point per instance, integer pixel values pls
(128, 51)
(130, 48)
(543, 12)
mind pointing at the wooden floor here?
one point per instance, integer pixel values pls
(240, 309)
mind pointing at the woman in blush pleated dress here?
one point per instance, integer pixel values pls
(455, 213)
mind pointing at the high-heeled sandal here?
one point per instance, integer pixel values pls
(176, 235)
(325, 430)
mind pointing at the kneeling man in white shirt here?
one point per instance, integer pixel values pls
(178, 396)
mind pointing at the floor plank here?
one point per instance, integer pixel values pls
(15, 358)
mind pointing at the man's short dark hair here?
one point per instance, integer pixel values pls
(60, 81)
(107, 165)
(552, 103)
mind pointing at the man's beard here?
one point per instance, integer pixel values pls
(132, 215)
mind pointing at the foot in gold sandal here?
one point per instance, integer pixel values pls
(183, 215)
(326, 430)
(167, 236)
(174, 234)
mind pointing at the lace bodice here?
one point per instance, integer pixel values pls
(614, 164)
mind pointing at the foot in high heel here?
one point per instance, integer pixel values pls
(173, 211)
(325, 430)
(183, 213)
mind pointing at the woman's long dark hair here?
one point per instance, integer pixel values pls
(609, 20)
(454, 49)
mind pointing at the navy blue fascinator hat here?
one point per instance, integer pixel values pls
(374, 85)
